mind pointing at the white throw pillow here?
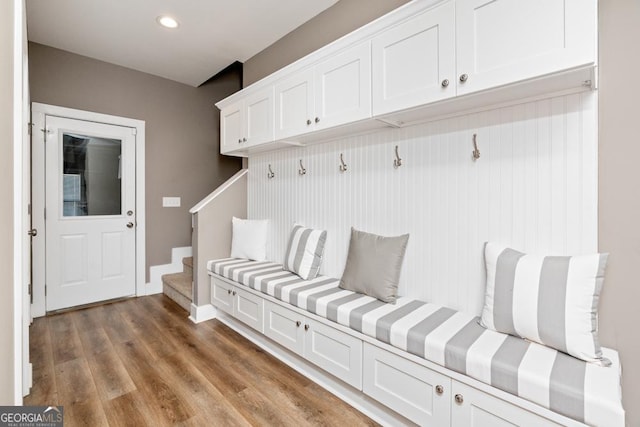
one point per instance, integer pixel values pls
(249, 239)
(304, 251)
(552, 300)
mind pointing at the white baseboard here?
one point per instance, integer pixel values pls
(345, 392)
(157, 271)
(202, 313)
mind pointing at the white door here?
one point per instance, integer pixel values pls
(90, 212)
(343, 87)
(504, 41)
(414, 62)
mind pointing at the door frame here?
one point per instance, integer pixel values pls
(39, 112)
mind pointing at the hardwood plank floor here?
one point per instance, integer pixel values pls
(142, 362)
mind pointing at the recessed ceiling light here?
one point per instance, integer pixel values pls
(167, 21)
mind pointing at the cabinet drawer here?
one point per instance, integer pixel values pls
(249, 308)
(335, 352)
(406, 387)
(221, 295)
(284, 327)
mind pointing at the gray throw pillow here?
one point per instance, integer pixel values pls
(373, 265)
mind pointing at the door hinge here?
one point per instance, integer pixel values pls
(45, 289)
(29, 209)
(45, 213)
(30, 293)
(29, 127)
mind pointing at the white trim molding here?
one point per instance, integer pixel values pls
(202, 313)
(39, 112)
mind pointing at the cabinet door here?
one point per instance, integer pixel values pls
(221, 295)
(231, 128)
(474, 408)
(294, 105)
(334, 351)
(504, 41)
(414, 62)
(248, 308)
(343, 88)
(416, 392)
(284, 327)
(258, 117)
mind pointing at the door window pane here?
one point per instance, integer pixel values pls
(91, 181)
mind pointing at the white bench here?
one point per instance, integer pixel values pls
(430, 364)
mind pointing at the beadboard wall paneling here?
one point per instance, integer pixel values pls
(534, 188)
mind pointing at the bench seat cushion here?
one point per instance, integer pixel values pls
(582, 391)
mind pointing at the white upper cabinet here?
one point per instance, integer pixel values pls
(343, 88)
(294, 105)
(505, 41)
(397, 68)
(248, 122)
(414, 62)
(334, 92)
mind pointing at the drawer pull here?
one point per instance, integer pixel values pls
(317, 119)
(464, 78)
(234, 293)
(308, 122)
(306, 327)
(459, 398)
(439, 389)
(229, 291)
(298, 323)
(445, 83)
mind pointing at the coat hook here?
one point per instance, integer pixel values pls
(397, 162)
(343, 165)
(476, 153)
(270, 174)
(302, 170)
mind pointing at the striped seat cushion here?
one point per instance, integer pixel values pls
(583, 391)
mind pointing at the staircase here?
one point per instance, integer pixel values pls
(179, 286)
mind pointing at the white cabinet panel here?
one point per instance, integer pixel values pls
(284, 327)
(343, 88)
(414, 62)
(231, 127)
(258, 117)
(418, 393)
(334, 351)
(504, 41)
(473, 408)
(248, 308)
(221, 295)
(294, 105)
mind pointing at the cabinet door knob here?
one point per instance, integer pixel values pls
(229, 291)
(445, 83)
(298, 323)
(234, 293)
(439, 389)
(306, 327)
(317, 119)
(244, 139)
(239, 140)
(463, 78)
(308, 122)
(459, 398)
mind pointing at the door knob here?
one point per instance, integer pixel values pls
(33, 232)
(129, 225)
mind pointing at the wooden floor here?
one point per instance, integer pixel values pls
(142, 362)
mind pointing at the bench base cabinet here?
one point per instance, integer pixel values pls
(334, 351)
(237, 302)
(417, 393)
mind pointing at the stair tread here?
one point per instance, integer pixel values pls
(188, 261)
(181, 282)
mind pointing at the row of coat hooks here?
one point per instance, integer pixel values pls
(397, 161)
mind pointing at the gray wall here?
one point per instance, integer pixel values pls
(6, 207)
(619, 201)
(619, 153)
(340, 19)
(182, 131)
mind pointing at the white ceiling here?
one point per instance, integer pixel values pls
(212, 33)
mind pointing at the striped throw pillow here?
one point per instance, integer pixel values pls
(304, 251)
(552, 300)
